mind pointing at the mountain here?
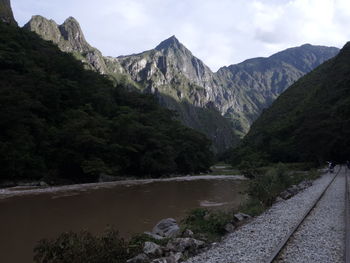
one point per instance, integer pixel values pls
(62, 123)
(185, 84)
(6, 15)
(240, 92)
(309, 122)
(255, 83)
(185, 96)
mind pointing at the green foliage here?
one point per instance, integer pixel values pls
(310, 121)
(68, 124)
(135, 244)
(86, 247)
(269, 182)
(207, 223)
(252, 207)
(83, 247)
(268, 186)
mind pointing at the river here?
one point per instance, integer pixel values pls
(27, 216)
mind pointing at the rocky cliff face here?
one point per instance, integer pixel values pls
(254, 84)
(240, 92)
(171, 69)
(69, 38)
(164, 71)
(6, 15)
(184, 83)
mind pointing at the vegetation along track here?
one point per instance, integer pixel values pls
(285, 249)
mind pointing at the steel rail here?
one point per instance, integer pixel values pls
(283, 243)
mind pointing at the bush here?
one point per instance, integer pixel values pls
(268, 186)
(253, 207)
(206, 223)
(83, 247)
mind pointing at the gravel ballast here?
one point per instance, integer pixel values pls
(255, 241)
(321, 236)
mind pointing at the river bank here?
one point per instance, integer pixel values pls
(30, 190)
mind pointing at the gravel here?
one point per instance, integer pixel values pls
(255, 241)
(321, 237)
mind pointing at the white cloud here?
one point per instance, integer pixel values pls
(218, 32)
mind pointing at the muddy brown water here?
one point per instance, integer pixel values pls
(130, 208)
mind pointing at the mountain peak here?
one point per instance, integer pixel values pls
(171, 42)
(71, 31)
(47, 29)
(6, 14)
(71, 20)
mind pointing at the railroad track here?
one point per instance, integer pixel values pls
(277, 251)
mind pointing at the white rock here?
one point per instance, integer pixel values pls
(167, 228)
(152, 249)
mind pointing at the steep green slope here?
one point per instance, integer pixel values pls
(308, 122)
(59, 121)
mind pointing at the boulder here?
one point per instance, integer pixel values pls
(188, 246)
(187, 233)
(155, 236)
(304, 184)
(285, 195)
(173, 258)
(239, 217)
(167, 228)
(141, 258)
(152, 249)
(230, 228)
(293, 190)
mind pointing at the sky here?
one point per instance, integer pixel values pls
(219, 32)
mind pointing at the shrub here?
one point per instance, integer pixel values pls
(253, 207)
(83, 247)
(206, 223)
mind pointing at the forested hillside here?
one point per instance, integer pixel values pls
(61, 122)
(308, 122)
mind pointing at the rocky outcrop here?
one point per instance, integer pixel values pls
(6, 14)
(69, 38)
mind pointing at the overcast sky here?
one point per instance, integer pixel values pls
(219, 32)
